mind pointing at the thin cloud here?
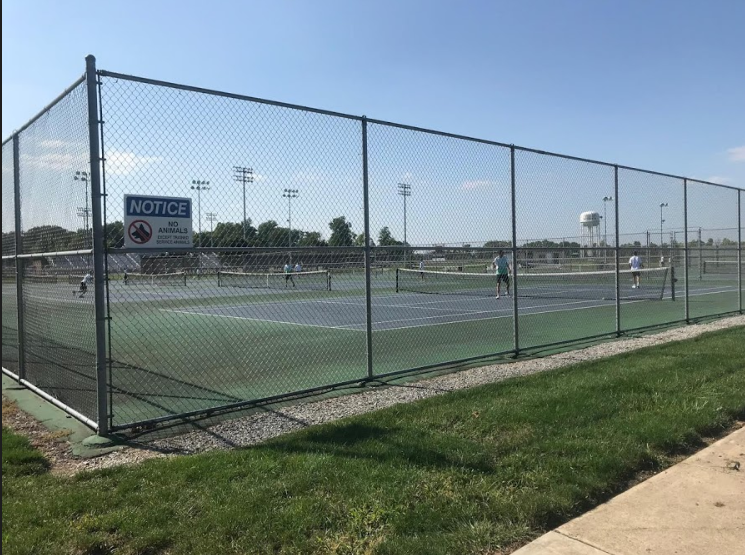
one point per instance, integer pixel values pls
(124, 163)
(722, 180)
(477, 184)
(736, 154)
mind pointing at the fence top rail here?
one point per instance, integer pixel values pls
(52, 254)
(44, 110)
(214, 92)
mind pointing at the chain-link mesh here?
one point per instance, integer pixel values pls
(272, 297)
(59, 321)
(713, 211)
(10, 304)
(439, 206)
(650, 208)
(195, 329)
(566, 228)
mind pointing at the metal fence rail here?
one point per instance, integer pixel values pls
(327, 249)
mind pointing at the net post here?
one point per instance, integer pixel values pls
(98, 247)
(515, 328)
(685, 255)
(368, 285)
(672, 287)
(617, 253)
(19, 261)
(397, 289)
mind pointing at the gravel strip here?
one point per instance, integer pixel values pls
(253, 429)
(260, 427)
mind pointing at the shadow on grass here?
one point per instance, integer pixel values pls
(387, 445)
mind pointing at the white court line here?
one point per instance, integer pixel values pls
(355, 326)
(257, 319)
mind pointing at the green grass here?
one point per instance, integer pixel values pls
(474, 471)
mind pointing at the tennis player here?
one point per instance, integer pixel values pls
(635, 263)
(421, 269)
(288, 274)
(298, 268)
(88, 278)
(502, 264)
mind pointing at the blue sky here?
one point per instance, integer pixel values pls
(656, 85)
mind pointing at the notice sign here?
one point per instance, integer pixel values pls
(157, 222)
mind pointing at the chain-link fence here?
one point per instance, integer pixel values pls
(326, 249)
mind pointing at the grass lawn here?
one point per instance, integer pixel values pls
(477, 471)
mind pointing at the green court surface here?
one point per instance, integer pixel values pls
(178, 349)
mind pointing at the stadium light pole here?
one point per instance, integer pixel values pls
(212, 218)
(662, 221)
(404, 189)
(84, 212)
(605, 227)
(290, 194)
(200, 186)
(244, 175)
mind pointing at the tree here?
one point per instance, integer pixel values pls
(114, 234)
(270, 234)
(359, 241)
(497, 244)
(312, 239)
(385, 239)
(341, 233)
(230, 234)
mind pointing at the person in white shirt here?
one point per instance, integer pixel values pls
(84, 284)
(502, 265)
(635, 263)
(662, 261)
(421, 269)
(298, 268)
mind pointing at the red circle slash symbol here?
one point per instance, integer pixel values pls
(140, 232)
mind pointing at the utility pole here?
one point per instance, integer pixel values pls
(404, 189)
(244, 175)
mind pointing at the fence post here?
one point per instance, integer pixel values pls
(739, 246)
(98, 247)
(368, 295)
(19, 261)
(515, 328)
(617, 253)
(685, 251)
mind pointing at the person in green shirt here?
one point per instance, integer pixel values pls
(502, 264)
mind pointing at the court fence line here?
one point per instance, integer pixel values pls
(249, 315)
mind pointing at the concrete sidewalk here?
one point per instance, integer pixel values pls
(695, 507)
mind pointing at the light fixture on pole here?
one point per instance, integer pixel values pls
(662, 221)
(84, 212)
(200, 186)
(244, 175)
(404, 189)
(290, 194)
(605, 228)
(212, 218)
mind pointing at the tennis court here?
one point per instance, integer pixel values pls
(245, 342)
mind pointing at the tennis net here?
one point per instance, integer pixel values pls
(654, 283)
(177, 278)
(319, 280)
(722, 267)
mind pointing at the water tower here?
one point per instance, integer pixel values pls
(589, 232)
